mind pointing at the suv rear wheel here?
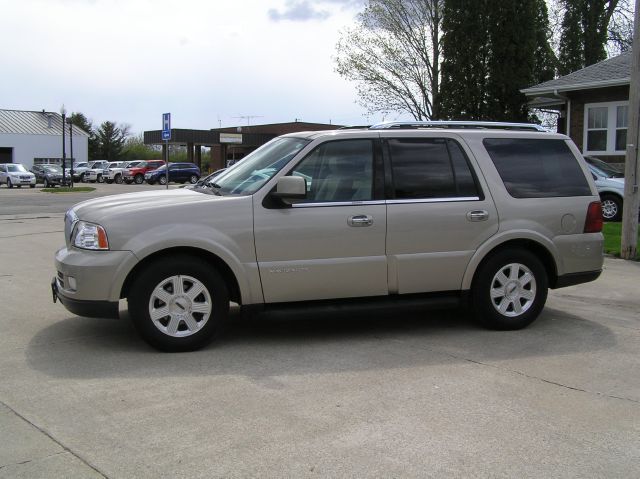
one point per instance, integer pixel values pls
(510, 289)
(178, 304)
(139, 179)
(118, 179)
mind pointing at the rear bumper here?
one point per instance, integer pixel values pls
(571, 279)
(90, 309)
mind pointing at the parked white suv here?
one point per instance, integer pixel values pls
(114, 174)
(492, 214)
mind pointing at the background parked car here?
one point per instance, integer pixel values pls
(95, 171)
(79, 170)
(114, 173)
(136, 174)
(178, 172)
(50, 175)
(610, 184)
(15, 174)
(206, 181)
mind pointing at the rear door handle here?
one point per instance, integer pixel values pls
(360, 220)
(478, 215)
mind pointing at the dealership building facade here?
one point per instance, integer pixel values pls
(228, 145)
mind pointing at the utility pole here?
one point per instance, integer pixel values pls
(628, 249)
(63, 112)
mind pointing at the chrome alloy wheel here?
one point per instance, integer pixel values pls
(513, 290)
(180, 306)
(609, 209)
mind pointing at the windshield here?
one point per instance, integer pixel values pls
(16, 168)
(53, 169)
(253, 171)
(605, 169)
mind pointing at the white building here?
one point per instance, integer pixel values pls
(33, 137)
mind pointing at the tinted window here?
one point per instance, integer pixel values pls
(537, 168)
(430, 168)
(338, 171)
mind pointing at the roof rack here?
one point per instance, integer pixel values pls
(495, 125)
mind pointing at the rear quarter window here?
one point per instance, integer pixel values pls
(537, 168)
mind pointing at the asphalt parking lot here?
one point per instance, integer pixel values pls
(376, 394)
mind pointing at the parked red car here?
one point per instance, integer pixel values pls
(137, 173)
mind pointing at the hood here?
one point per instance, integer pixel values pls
(20, 173)
(176, 201)
(617, 183)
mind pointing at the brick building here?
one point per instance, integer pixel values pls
(593, 105)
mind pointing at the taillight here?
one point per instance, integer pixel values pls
(593, 223)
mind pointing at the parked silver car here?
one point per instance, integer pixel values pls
(15, 174)
(610, 184)
(481, 213)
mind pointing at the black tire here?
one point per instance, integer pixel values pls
(9, 184)
(193, 179)
(139, 179)
(514, 264)
(150, 182)
(118, 179)
(128, 181)
(611, 207)
(32, 186)
(46, 183)
(161, 271)
(162, 180)
(108, 181)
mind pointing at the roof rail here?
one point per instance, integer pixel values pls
(495, 125)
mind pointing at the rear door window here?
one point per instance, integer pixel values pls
(428, 168)
(537, 168)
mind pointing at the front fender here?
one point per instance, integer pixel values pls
(237, 251)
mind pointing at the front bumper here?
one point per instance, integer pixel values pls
(89, 282)
(89, 309)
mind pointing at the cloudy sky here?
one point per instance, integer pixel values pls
(207, 62)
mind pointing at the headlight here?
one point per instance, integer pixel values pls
(89, 236)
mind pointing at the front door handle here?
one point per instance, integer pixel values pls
(360, 220)
(478, 215)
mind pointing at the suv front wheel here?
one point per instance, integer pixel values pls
(510, 289)
(178, 304)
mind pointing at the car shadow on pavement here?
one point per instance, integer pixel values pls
(288, 344)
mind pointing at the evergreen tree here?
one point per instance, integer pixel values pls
(464, 65)
(585, 32)
(491, 50)
(111, 140)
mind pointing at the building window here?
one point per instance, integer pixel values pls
(605, 128)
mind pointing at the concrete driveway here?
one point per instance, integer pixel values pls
(377, 394)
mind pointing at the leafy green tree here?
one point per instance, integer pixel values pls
(491, 50)
(111, 139)
(135, 149)
(393, 55)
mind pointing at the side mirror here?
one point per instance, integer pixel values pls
(291, 188)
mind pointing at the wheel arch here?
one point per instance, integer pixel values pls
(541, 251)
(215, 261)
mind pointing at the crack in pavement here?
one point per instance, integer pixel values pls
(32, 460)
(32, 234)
(50, 436)
(528, 376)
